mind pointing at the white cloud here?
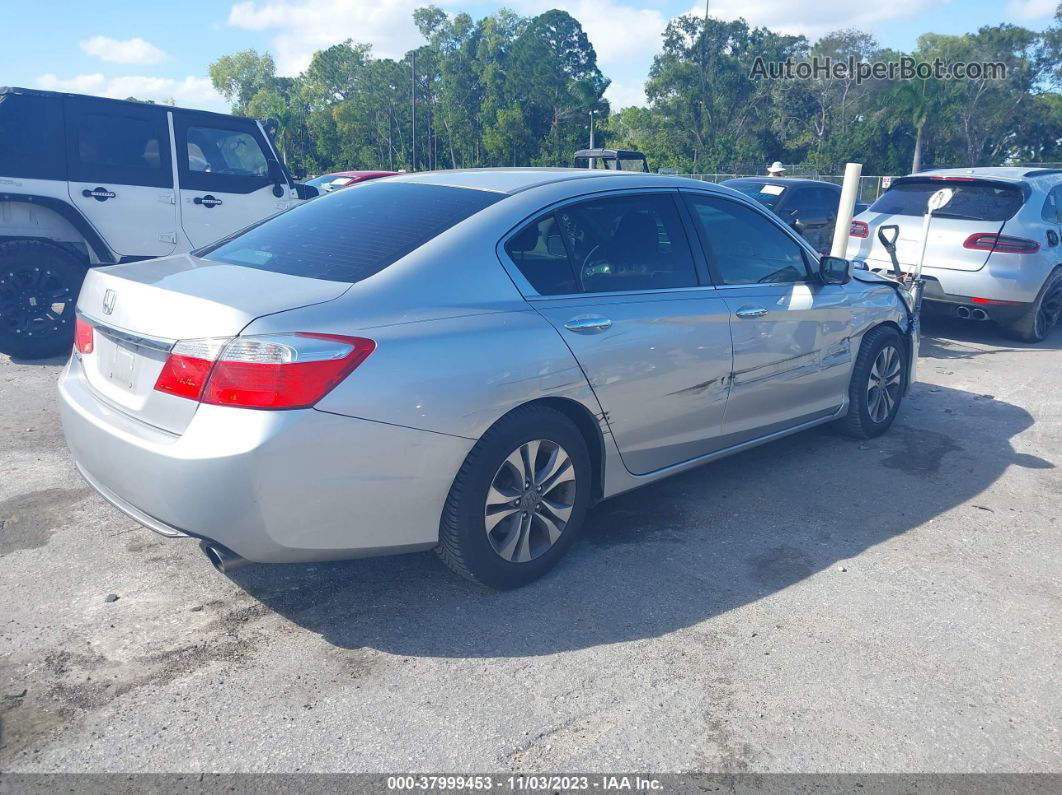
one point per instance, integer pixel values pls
(193, 92)
(815, 19)
(623, 94)
(131, 51)
(1031, 9)
(306, 26)
(617, 30)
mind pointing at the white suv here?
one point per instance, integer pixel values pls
(86, 181)
(994, 251)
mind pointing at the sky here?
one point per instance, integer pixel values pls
(162, 50)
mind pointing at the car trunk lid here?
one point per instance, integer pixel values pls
(138, 311)
(978, 206)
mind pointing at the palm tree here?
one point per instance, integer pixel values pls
(914, 101)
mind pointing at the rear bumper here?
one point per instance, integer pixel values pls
(999, 280)
(937, 300)
(282, 486)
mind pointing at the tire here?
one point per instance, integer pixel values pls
(879, 381)
(39, 284)
(1043, 314)
(485, 534)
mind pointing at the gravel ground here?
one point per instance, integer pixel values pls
(816, 604)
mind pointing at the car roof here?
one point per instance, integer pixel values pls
(38, 92)
(516, 180)
(788, 181)
(1016, 173)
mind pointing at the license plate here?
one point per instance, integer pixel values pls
(123, 365)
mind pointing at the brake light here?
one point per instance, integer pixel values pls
(859, 229)
(282, 371)
(1005, 244)
(84, 337)
(993, 301)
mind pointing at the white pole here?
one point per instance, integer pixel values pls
(845, 210)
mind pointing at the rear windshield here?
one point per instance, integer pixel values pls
(766, 193)
(351, 234)
(974, 201)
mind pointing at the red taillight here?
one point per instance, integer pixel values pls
(84, 340)
(992, 301)
(988, 241)
(859, 229)
(282, 371)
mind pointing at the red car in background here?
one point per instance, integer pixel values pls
(326, 183)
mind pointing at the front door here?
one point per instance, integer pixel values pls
(228, 176)
(121, 174)
(616, 278)
(792, 352)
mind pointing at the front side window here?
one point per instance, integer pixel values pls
(351, 234)
(225, 152)
(744, 246)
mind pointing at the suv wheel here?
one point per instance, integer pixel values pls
(879, 380)
(1042, 316)
(39, 284)
(518, 501)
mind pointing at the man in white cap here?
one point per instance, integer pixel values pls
(776, 169)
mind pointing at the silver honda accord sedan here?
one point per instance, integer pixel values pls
(465, 361)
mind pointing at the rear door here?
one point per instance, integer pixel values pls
(121, 174)
(617, 278)
(228, 176)
(792, 352)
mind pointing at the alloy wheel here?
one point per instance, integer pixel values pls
(530, 501)
(1050, 309)
(35, 301)
(883, 386)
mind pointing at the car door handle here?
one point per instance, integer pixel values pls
(588, 324)
(99, 194)
(207, 201)
(751, 311)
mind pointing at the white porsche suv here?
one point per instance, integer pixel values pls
(86, 181)
(994, 251)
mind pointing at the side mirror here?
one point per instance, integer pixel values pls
(306, 191)
(834, 270)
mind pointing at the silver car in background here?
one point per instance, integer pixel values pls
(994, 251)
(465, 361)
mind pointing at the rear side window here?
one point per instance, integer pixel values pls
(31, 137)
(614, 244)
(353, 233)
(1052, 212)
(973, 201)
(111, 143)
(766, 193)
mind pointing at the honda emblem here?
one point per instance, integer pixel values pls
(109, 298)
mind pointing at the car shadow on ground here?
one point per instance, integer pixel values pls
(680, 551)
(945, 337)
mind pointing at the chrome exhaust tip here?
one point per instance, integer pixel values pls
(978, 314)
(222, 558)
(963, 312)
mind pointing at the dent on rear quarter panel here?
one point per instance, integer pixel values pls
(459, 375)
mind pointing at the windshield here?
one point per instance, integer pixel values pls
(973, 201)
(766, 193)
(353, 233)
